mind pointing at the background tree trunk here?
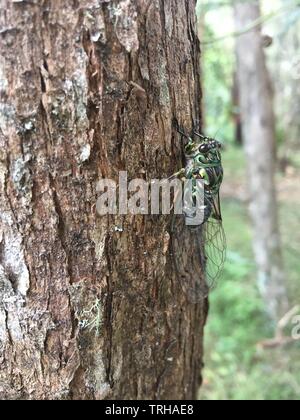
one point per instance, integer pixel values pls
(259, 137)
(90, 307)
(285, 63)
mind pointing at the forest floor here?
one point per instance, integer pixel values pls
(238, 367)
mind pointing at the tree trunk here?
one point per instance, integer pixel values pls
(90, 307)
(286, 72)
(259, 137)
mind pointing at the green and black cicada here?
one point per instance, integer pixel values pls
(203, 161)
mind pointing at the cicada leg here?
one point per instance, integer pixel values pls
(180, 174)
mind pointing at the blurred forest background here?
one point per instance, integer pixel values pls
(251, 355)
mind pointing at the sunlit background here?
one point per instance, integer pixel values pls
(241, 362)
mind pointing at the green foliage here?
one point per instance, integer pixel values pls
(235, 368)
(218, 82)
(235, 174)
(291, 239)
(290, 20)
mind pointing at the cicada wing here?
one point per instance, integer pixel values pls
(214, 242)
(216, 208)
(189, 259)
(215, 250)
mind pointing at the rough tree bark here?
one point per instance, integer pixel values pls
(90, 307)
(259, 138)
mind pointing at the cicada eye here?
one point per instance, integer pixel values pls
(204, 148)
(216, 144)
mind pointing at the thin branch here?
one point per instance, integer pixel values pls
(253, 25)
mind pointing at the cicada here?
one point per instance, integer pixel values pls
(204, 245)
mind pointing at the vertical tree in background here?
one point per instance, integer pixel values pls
(287, 77)
(259, 137)
(90, 307)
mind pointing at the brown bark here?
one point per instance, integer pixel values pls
(90, 307)
(258, 123)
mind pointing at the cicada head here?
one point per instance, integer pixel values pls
(209, 145)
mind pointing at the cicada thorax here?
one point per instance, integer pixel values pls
(203, 162)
